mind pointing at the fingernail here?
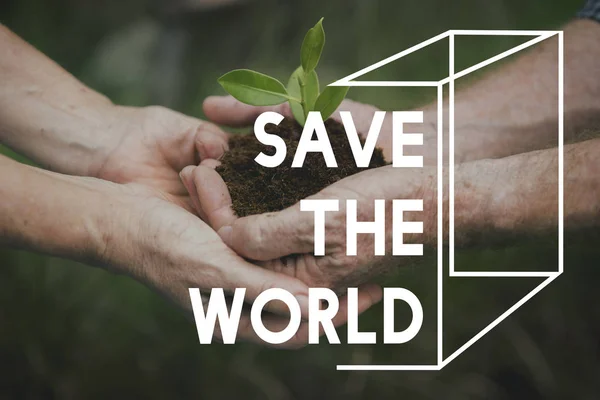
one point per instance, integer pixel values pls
(225, 233)
(210, 163)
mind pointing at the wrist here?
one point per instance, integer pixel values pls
(65, 136)
(88, 212)
(106, 132)
(51, 213)
(114, 228)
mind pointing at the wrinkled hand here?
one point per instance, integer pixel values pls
(171, 250)
(153, 144)
(154, 237)
(284, 241)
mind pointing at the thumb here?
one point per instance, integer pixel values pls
(225, 110)
(260, 237)
(269, 236)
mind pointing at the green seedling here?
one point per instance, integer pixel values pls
(302, 91)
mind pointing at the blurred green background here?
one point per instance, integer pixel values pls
(68, 331)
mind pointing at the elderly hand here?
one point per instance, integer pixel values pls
(151, 145)
(185, 252)
(128, 229)
(140, 224)
(171, 250)
(284, 241)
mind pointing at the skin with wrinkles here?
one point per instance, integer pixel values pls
(505, 188)
(114, 197)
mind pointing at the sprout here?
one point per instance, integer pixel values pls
(302, 91)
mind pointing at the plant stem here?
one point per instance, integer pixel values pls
(303, 94)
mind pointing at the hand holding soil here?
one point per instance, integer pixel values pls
(283, 241)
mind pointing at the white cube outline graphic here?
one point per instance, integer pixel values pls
(350, 81)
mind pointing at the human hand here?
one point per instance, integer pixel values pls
(138, 226)
(284, 241)
(179, 250)
(151, 145)
(64, 126)
(170, 250)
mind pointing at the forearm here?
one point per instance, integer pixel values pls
(48, 115)
(515, 109)
(518, 196)
(51, 213)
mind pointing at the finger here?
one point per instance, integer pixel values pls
(226, 110)
(368, 295)
(214, 129)
(267, 236)
(210, 163)
(188, 181)
(239, 273)
(210, 145)
(213, 195)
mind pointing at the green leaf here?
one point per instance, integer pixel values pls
(330, 100)
(312, 46)
(310, 83)
(311, 90)
(295, 91)
(254, 88)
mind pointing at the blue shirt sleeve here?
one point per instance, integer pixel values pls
(591, 10)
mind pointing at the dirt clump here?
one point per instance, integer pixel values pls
(256, 189)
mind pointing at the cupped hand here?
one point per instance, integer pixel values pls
(284, 241)
(153, 144)
(157, 240)
(169, 249)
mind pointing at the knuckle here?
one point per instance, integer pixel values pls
(304, 234)
(335, 228)
(207, 130)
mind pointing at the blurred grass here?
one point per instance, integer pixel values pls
(70, 331)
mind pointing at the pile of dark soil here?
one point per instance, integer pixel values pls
(256, 189)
